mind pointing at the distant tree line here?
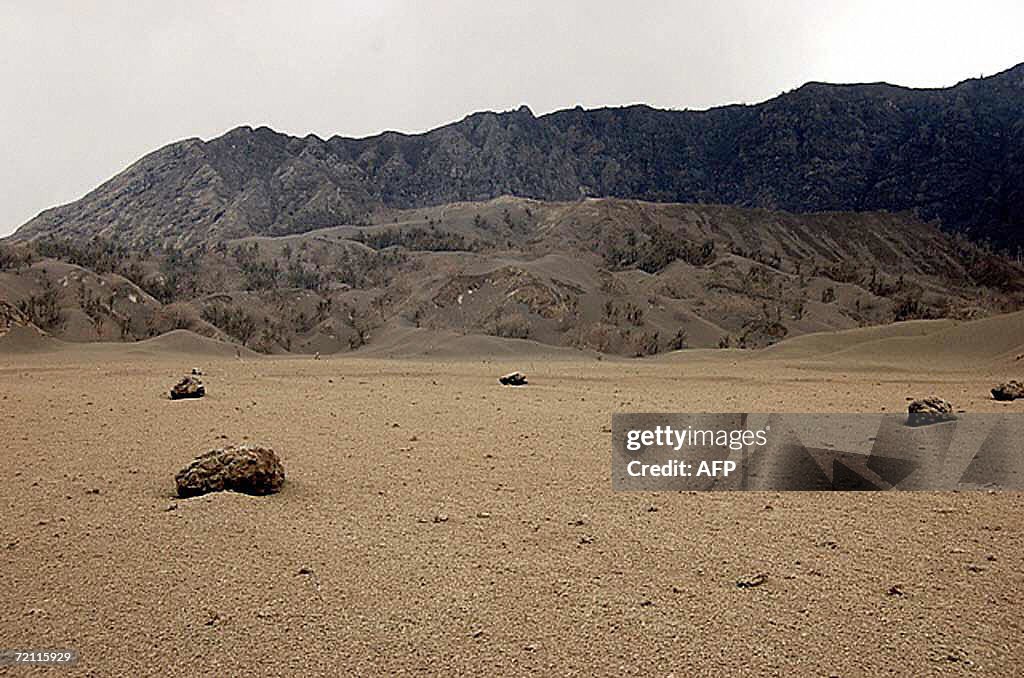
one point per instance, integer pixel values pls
(431, 239)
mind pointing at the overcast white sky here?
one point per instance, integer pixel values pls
(89, 86)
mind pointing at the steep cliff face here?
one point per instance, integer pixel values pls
(954, 154)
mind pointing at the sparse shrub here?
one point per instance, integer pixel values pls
(43, 309)
(611, 285)
(513, 326)
(611, 311)
(234, 321)
(13, 258)
(178, 316)
(762, 332)
(678, 341)
(272, 335)
(846, 271)
(910, 307)
(630, 312)
(299, 276)
(633, 314)
(362, 324)
(645, 343)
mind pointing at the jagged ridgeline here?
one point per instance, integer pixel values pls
(625, 277)
(956, 155)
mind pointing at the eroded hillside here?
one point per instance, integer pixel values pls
(622, 277)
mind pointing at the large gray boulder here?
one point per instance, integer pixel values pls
(250, 469)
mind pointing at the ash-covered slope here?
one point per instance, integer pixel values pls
(616, 276)
(955, 154)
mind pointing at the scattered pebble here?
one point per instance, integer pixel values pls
(751, 581)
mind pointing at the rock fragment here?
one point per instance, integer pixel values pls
(931, 410)
(190, 386)
(513, 379)
(1010, 390)
(250, 469)
(751, 581)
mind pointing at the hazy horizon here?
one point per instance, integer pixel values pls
(89, 90)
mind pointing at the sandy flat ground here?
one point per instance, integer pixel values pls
(435, 522)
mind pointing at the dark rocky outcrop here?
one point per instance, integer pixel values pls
(250, 469)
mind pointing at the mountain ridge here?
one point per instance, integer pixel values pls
(954, 154)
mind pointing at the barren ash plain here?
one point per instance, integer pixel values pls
(434, 521)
